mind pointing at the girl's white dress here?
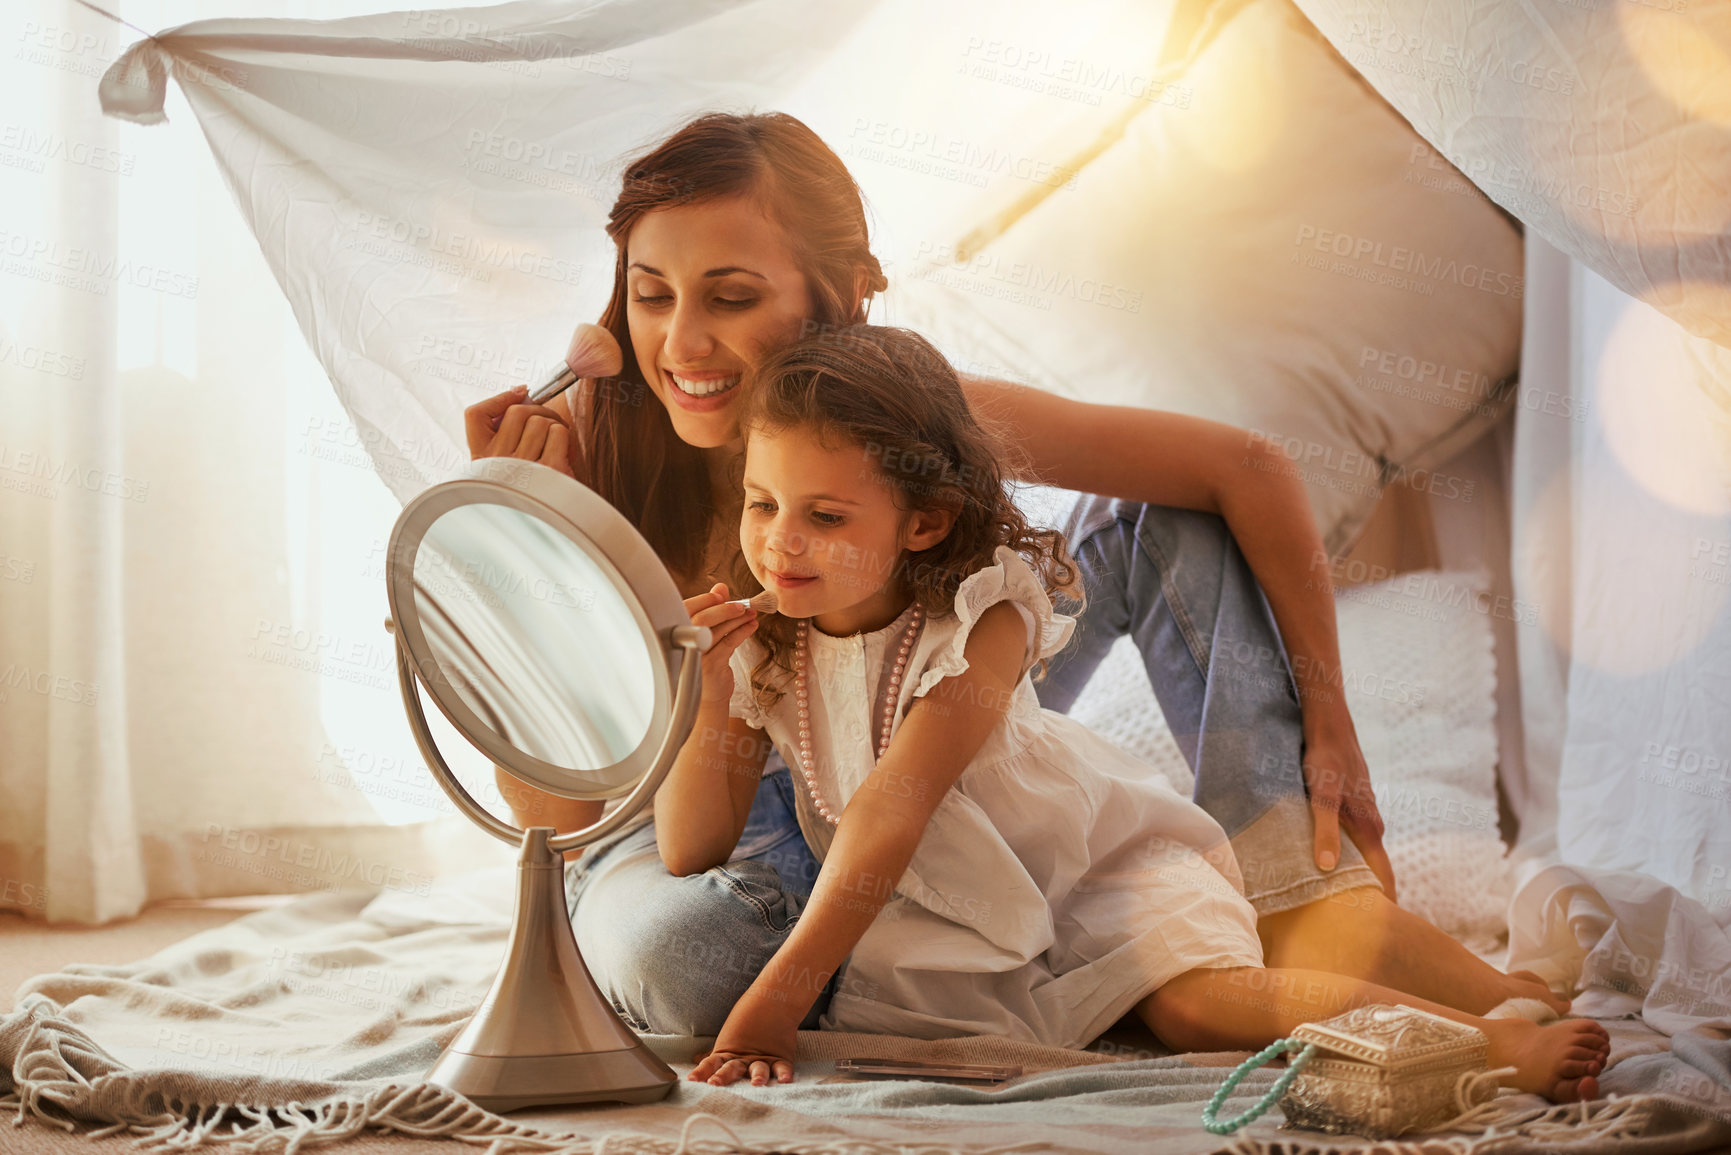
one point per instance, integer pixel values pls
(1059, 881)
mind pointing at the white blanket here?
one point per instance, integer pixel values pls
(1635, 947)
(313, 1022)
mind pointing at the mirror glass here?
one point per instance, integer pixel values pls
(534, 637)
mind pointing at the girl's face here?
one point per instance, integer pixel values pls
(821, 528)
(711, 288)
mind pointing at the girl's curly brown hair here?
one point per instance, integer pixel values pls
(888, 391)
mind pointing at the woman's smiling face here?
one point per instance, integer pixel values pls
(710, 288)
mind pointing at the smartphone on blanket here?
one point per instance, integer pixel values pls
(913, 1069)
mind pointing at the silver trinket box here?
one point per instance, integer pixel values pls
(1382, 1071)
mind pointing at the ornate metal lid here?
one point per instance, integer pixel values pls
(1396, 1038)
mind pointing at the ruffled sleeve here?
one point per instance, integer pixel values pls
(1009, 579)
(743, 704)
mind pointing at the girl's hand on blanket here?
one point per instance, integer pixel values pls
(751, 1046)
(1341, 797)
(729, 624)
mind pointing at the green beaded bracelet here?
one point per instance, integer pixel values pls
(1215, 1126)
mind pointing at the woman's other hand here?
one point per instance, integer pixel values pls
(1342, 798)
(507, 426)
(729, 624)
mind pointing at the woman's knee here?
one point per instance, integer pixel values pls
(1194, 538)
(1133, 553)
(649, 914)
(674, 952)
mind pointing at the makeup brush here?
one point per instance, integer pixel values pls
(593, 353)
(763, 602)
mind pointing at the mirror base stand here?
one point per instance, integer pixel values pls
(545, 1034)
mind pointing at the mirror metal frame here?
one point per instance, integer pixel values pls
(545, 1034)
(622, 555)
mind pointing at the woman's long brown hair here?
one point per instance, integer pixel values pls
(888, 391)
(636, 460)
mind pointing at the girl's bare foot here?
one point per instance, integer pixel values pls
(1527, 985)
(1561, 1061)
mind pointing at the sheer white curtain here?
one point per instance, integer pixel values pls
(197, 695)
(1623, 542)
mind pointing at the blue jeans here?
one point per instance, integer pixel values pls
(1177, 583)
(675, 953)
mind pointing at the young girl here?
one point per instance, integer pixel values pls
(988, 866)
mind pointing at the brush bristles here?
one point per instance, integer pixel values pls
(764, 602)
(594, 352)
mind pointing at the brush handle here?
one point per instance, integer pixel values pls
(553, 388)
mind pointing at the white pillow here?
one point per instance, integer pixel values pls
(1420, 682)
(1178, 274)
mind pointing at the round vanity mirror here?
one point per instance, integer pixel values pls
(544, 627)
(536, 644)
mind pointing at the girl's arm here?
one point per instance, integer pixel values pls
(702, 805)
(880, 827)
(1165, 458)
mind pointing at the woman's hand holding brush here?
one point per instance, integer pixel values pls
(540, 428)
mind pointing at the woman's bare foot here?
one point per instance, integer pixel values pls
(1527, 985)
(1560, 1061)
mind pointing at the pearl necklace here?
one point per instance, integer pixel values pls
(889, 713)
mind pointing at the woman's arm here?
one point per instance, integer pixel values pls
(880, 827)
(1165, 458)
(532, 806)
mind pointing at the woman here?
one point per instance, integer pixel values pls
(736, 236)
